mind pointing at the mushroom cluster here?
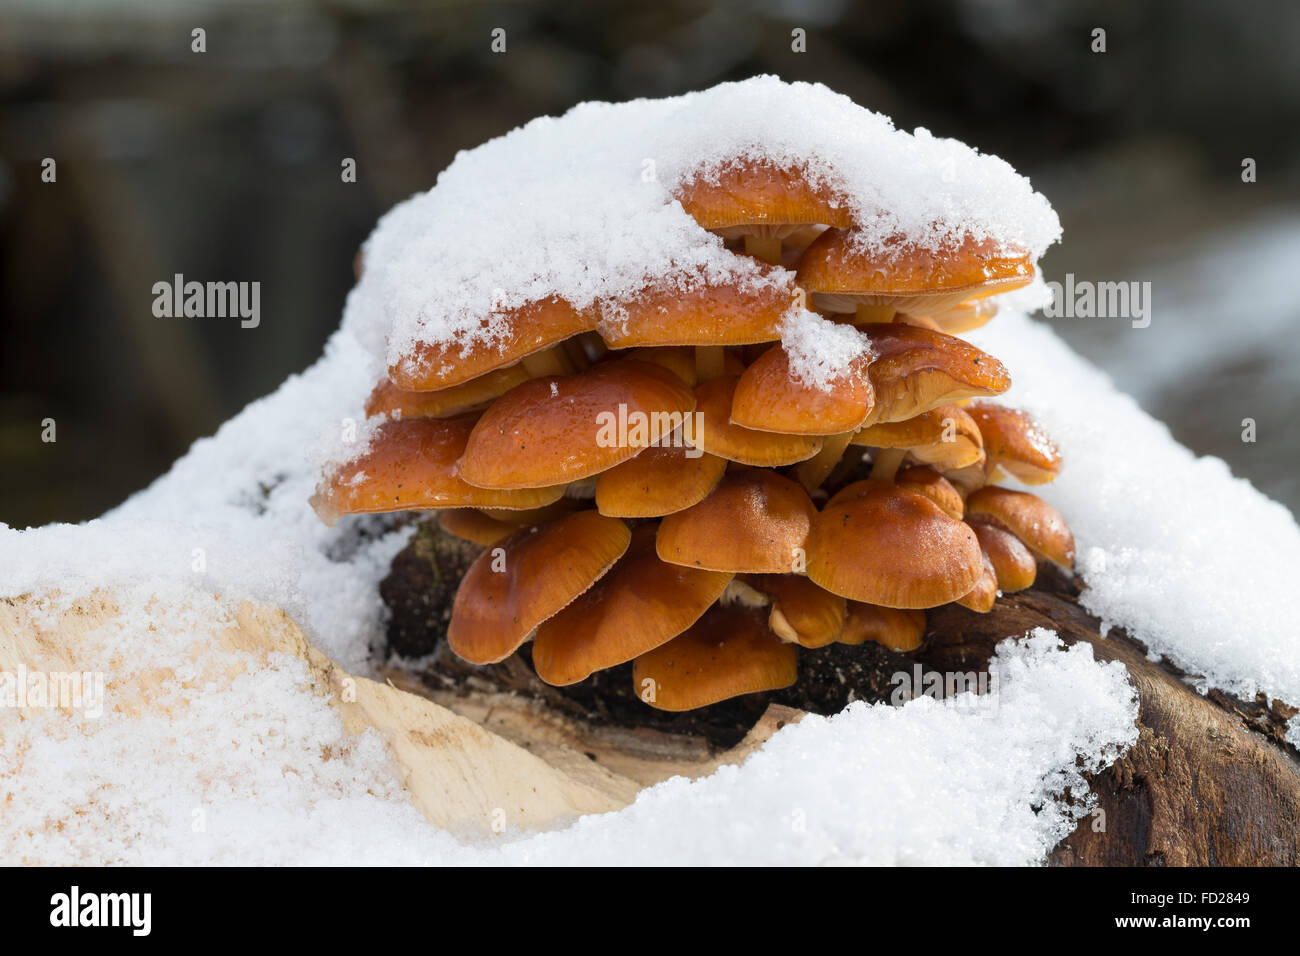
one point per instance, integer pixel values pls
(655, 480)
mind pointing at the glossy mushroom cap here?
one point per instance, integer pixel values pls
(1015, 443)
(513, 587)
(558, 429)
(388, 399)
(411, 464)
(929, 483)
(1028, 517)
(472, 525)
(897, 629)
(717, 435)
(768, 397)
(658, 481)
(641, 603)
(801, 612)
(965, 316)
(707, 312)
(1014, 565)
(984, 594)
(754, 522)
(520, 333)
(945, 437)
(753, 195)
(880, 544)
(728, 652)
(916, 370)
(843, 270)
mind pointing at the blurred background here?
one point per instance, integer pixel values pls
(224, 165)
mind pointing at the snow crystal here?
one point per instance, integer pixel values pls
(581, 206)
(821, 351)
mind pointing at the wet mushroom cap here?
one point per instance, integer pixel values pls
(514, 586)
(769, 397)
(388, 399)
(513, 336)
(801, 612)
(472, 525)
(745, 194)
(916, 369)
(706, 312)
(1013, 563)
(557, 429)
(641, 603)
(945, 437)
(1016, 443)
(411, 464)
(880, 544)
(895, 628)
(718, 436)
(1028, 517)
(984, 594)
(755, 521)
(928, 482)
(659, 481)
(726, 653)
(843, 270)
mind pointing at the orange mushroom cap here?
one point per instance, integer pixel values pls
(899, 629)
(660, 480)
(881, 544)
(984, 594)
(513, 587)
(717, 435)
(1013, 563)
(558, 429)
(703, 312)
(726, 653)
(1028, 517)
(411, 464)
(768, 397)
(517, 334)
(928, 482)
(472, 525)
(801, 612)
(916, 369)
(748, 194)
(944, 437)
(388, 399)
(1016, 443)
(843, 271)
(755, 521)
(964, 317)
(641, 603)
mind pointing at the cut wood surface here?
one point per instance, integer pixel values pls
(498, 762)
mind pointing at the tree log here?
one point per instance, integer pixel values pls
(1210, 781)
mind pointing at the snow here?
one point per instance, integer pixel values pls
(1191, 561)
(584, 203)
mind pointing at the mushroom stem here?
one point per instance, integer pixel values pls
(769, 250)
(552, 361)
(781, 626)
(886, 464)
(710, 362)
(872, 314)
(576, 354)
(814, 471)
